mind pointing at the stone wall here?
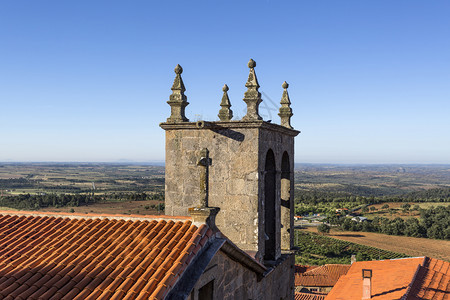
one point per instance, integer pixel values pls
(238, 151)
(231, 280)
(233, 177)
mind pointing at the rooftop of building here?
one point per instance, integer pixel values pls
(410, 278)
(69, 256)
(322, 276)
(309, 296)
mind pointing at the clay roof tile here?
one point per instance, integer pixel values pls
(407, 278)
(75, 258)
(308, 296)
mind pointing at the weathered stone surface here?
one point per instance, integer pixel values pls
(204, 215)
(204, 161)
(234, 281)
(252, 97)
(225, 113)
(285, 109)
(236, 176)
(178, 100)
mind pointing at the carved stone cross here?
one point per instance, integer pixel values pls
(204, 162)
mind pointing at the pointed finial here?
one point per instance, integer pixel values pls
(178, 69)
(252, 96)
(251, 63)
(178, 100)
(225, 113)
(285, 109)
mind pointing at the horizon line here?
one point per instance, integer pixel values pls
(159, 162)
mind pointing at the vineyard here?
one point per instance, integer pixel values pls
(315, 249)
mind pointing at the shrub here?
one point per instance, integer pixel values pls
(323, 228)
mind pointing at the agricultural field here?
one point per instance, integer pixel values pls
(411, 246)
(83, 188)
(147, 207)
(315, 249)
(72, 178)
(371, 180)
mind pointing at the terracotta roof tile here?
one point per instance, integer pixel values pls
(432, 281)
(323, 276)
(57, 257)
(303, 268)
(410, 278)
(308, 296)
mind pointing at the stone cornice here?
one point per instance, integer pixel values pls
(217, 125)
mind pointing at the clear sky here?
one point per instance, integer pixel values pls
(89, 80)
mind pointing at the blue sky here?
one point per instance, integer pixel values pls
(89, 80)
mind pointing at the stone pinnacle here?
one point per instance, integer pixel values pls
(285, 109)
(178, 100)
(225, 113)
(252, 97)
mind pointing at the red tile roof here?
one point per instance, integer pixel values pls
(432, 281)
(308, 296)
(303, 268)
(323, 276)
(49, 257)
(411, 278)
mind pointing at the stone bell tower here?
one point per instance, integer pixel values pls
(244, 167)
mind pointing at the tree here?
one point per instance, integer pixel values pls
(413, 228)
(406, 206)
(323, 228)
(367, 226)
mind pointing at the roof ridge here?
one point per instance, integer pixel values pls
(26, 213)
(411, 284)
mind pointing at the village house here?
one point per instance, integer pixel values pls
(405, 278)
(319, 278)
(227, 232)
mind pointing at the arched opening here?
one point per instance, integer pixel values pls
(269, 206)
(286, 204)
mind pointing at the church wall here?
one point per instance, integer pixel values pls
(233, 178)
(232, 280)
